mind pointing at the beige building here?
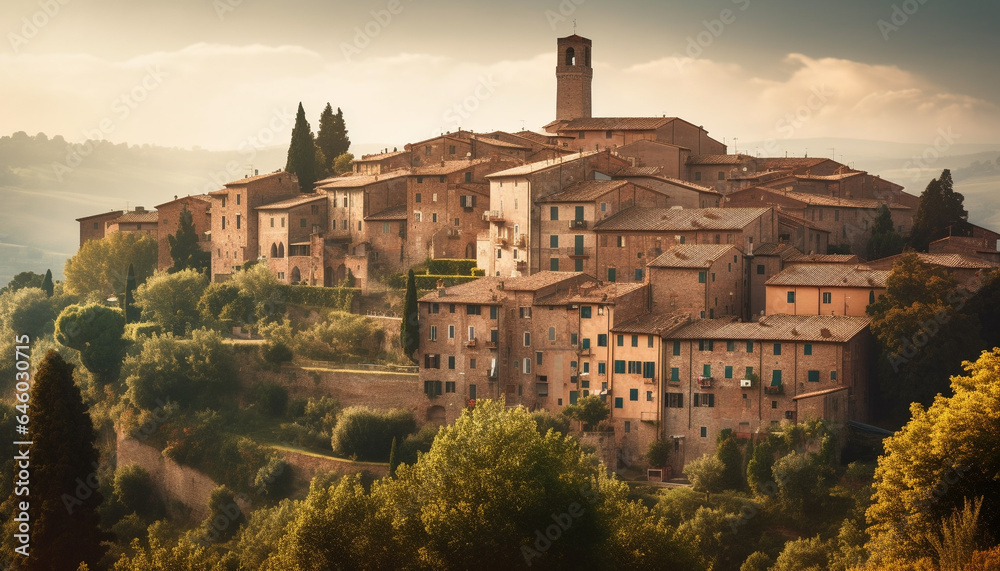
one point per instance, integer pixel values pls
(824, 289)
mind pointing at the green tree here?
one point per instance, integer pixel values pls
(945, 455)
(658, 454)
(706, 475)
(23, 280)
(326, 138)
(342, 163)
(224, 516)
(128, 300)
(941, 213)
(185, 248)
(757, 561)
(727, 450)
(923, 330)
(47, 286)
(546, 421)
(302, 153)
(410, 329)
(589, 411)
(804, 554)
(96, 332)
(225, 307)
(99, 268)
(63, 511)
(885, 241)
(171, 300)
(367, 434)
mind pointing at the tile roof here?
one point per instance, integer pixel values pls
(639, 171)
(801, 258)
(808, 328)
(788, 218)
(830, 275)
(784, 250)
(538, 281)
(293, 202)
(533, 136)
(670, 219)
(109, 213)
(584, 191)
(379, 156)
(144, 217)
(654, 172)
(486, 290)
(953, 261)
(690, 256)
(784, 163)
(820, 200)
(615, 123)
(499, 143)
(662, 324)
(358, 181)
(592, 292)
(202, 197)
(448, 167)
(840, 176)
(718, 159)
(539, 166)
(394, 213)
(250, 179)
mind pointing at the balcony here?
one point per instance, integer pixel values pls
(493, 216)
(648, 416)
(704, 382)
(454, 233)
(584, 352)
(774, 390)
(471, 343)
(577, 224)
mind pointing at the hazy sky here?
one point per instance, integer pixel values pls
(222, 74)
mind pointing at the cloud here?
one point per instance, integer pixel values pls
(221, 96)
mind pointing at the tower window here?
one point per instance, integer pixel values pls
(570, 56)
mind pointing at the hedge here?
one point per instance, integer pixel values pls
(341, 298)
(451, 267)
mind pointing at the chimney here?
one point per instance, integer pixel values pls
(140, 209)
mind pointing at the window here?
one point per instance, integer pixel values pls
(527, 366)
(749, 346)
(807, 349)
(621, 340)
(777, 348)
(417, 197)
(432, 361)
(223, 201)
(468, 177)
(675, 374)
(697, 178)
(472, 309)
(706, 370)
(620, 367)
(418, 217)
(494, 312)
(649, 396)
(449, 386)
(871, 297)
(585, 343)
(585, 312)
(813, 376)
(675, 400)
(791, 297)
(602, 368)
(729, 371)
(649, 341)
(748, 372)
(552, 333)
(677, 348)
(611, 275)
(602, 339)
(282, 221)
(451, 332)
(833, 375)
(433, 332)
(542, 389)
(776, 378)
(554, 213)
(525, 312)
(702, 277)
(302, 222)
(703, 400)
(538, 358)
(434, 217)
(223, 222)
(635, 340)
(554, 241)
(472, 333)
(386, 228)
(527, 339)
(760, 269)
(706, 345)
(638, 274)
(730, 346)
(554, 264)
(451, 149)
(472, 363)
(649, 370)
(451, 308)
(722, 175)
(572, 338)
(633, 394)
(451, 363)
(432, 388)
(619, 403)
(433, 308)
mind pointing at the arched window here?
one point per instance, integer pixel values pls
(281, 250)
(296, 275)
(586, 57)
(274, 250)
(871, 296)
(570, 56)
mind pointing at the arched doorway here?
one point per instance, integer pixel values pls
(328, 277)
(341, 273)
(435, 415)
(470, 251)
(274, 250)
(295, 276)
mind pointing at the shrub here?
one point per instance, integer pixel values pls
(274, 479)
(658, 453)
(544, 420)
(414, 443)
(366, 434)
(451, 267)
(277, 353)
(339, 298)
(272, 398)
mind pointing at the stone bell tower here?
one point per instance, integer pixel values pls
(574, 76)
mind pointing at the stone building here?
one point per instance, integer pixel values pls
(285, 238)
(95, 226)
(700, 281)
(825, 289)
(200, 207)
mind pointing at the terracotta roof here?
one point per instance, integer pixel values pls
(840, 176)
(394, 213)
(718, 159)
(379, 156)
(485, 290)
(625, 148)
(499, 143)
(539, 166)
(783, 163)
(615, 123)
(250, 179)
(662, 324)
(639, 171)
(448, 167)
(801, 258)
(691, 256)
(787, 218)
(830, 275)
(647, 172)
(201, 197)
(669, 219)
(109, 213)
(953, 261)
(806, 328)
(533, 136)
(360, 180)
(592, 292)
(819, 393)
(537, 281)
(293, 202)
(820, 200)
(145, 217)
(584, 191)
(771, 249)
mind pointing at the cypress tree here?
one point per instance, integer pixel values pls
(302, 152)
(410, 331)
(392, 458)
(128, 301)
(184, 248)
(47, 286)
(64, 496)
(326, 139)
(941, 213)
(343, 143)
